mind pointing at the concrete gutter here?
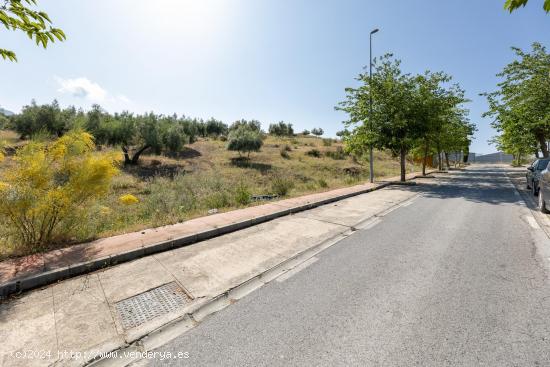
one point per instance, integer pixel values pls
(73, 270)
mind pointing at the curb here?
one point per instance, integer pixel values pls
(52, 276)
(192, 318)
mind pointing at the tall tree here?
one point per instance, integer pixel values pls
(523, 97)
(19, 15)
(393, 123)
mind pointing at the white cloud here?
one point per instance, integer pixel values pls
(82, 88)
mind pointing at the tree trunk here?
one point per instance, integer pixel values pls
(403, 154)
(447, 160)
(425, 157)
(543, 146)
(127, 159)
(439, 162)
(135, 158)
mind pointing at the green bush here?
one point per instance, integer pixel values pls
(322, 183)
(217, 200)
(317, 131)
(242, 194)
(339, 154)
(314, 153)
(244, 140)
(284, 153)
(327, 142)
(281, 186)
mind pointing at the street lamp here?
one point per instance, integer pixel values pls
(371, 163)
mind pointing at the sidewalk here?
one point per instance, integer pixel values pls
(70, 322)
(41, 269)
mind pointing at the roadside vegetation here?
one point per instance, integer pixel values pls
(520, 106)
(157, 170)
(420, 114)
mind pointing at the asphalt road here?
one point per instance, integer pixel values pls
(454, 279)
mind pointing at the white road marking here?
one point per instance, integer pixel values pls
(297, 269)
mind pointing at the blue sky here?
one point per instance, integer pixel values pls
(269, 60)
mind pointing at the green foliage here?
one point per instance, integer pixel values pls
(281, 185)
(512, 5)
(244, 140)
(306, 132)
(4, 122)
(317, 131)
(342, 133)
(314, 153)
(216, 128)
(45, 196)
(17, 15)
(281, 129)
(338, 154)
(520, 107)
(327, 142)
(48, 118)
(407, 111)
(252, 125)
(242, 194)
(136, 134)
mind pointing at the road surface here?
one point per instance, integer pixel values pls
(457, 278)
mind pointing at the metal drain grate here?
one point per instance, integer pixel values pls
(139, 309)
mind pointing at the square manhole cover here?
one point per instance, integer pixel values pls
(143, 307)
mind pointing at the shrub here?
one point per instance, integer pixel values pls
(327, 142)
(317, 131)
(314, 153)
(244, 140)
(339, 154)
(284, 153)
(322, 183)
(128, 199)
(281, 185)
(306, 132)
(44, 197)
(281, 129)
(242, 194)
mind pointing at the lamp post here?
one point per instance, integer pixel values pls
(371, 163)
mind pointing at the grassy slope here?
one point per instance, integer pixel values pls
(204, 176)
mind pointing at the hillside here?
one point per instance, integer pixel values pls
(205, 176)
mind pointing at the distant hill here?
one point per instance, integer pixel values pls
(5, 112)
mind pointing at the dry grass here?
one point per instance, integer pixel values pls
(206, 176)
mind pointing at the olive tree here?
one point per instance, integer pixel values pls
(244, 139)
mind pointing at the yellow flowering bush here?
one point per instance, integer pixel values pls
(45, 195)
(128, 199)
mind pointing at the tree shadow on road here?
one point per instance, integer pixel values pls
(489, 186)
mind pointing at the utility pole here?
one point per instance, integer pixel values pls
(371, 156)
